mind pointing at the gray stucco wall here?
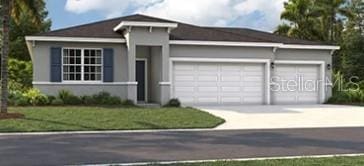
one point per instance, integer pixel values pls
(158, 53)
(255, 53)
(41, 69)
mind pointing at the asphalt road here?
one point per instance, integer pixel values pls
(167, 146)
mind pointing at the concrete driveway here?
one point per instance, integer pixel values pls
(287, 116)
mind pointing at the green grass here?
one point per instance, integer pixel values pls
(40, 119)
(334, 161)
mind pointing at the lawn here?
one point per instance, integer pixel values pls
(334, 161)
(40, 119)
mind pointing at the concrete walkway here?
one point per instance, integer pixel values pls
(297, 116)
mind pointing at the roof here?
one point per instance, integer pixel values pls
(104, 29)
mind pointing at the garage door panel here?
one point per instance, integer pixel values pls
(207, 89)
(207, 78)
(184, 78)
(231, 89)
(305, 77)
(208, 68)
(231, 68)
(226, 100)
(230, 78)
(207, 99)
(220, 83)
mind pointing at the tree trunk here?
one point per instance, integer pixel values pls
(6, 5)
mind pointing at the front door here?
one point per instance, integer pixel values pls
(140, 78)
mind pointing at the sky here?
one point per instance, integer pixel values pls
(257, 14)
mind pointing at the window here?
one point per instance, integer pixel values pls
(82, 64)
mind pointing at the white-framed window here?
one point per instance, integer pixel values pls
(82, 64)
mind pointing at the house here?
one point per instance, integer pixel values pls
(148, 59)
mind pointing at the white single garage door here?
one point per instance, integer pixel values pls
(296, 84)
(199, 83)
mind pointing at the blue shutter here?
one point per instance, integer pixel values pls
(56, 64)
(108, 65)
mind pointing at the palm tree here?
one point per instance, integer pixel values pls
(13, 9)
(301, 17)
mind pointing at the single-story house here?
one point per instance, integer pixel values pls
(148, 59)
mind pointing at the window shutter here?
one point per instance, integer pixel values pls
(56, 64)
(108, 65)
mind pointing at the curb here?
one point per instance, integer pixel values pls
(237, 159)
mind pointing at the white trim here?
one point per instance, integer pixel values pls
(230, 60)
(75, 39)
(83, 83)
(165, 83)
(314, 47)
(223, 43)
(298, 62)
(145, 77)
(125, 24)
(235, 60)
(322, 74)
(253, 44)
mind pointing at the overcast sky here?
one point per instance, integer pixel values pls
(257, 14)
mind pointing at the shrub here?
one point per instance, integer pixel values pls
(51, 98)
(21, 102)
(88, 100)
(68, 98)
(128, 102)
(173, 103)
(101, 97)
(104, 98)
(35, 97)
(72, 100)
(57, 102)
(64, 94)
(20, 74)
(112, 100)
(345, 95)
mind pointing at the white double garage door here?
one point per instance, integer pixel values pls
(230, 83)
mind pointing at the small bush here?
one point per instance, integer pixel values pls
(129, 103)
(64, 94)
(104, 98)
(35, 97)
(112, 100)
(21, 102)
(88, 100)
(173, 103)
(68, 98)
(51, 98)
(72, 100)
(57, 102)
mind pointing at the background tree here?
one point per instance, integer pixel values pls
(25, 26)
(350, 59)
(14, 9)
(320, 20)
(300, 17)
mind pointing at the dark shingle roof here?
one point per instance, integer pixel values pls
(104, 29)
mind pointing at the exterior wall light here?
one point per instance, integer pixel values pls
(328, 66)
(272, 65)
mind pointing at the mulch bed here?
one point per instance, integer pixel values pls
(11, 116)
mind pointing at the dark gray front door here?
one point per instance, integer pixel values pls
(140, 78)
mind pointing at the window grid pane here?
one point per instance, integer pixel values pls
(92, 65)
(72, 64)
